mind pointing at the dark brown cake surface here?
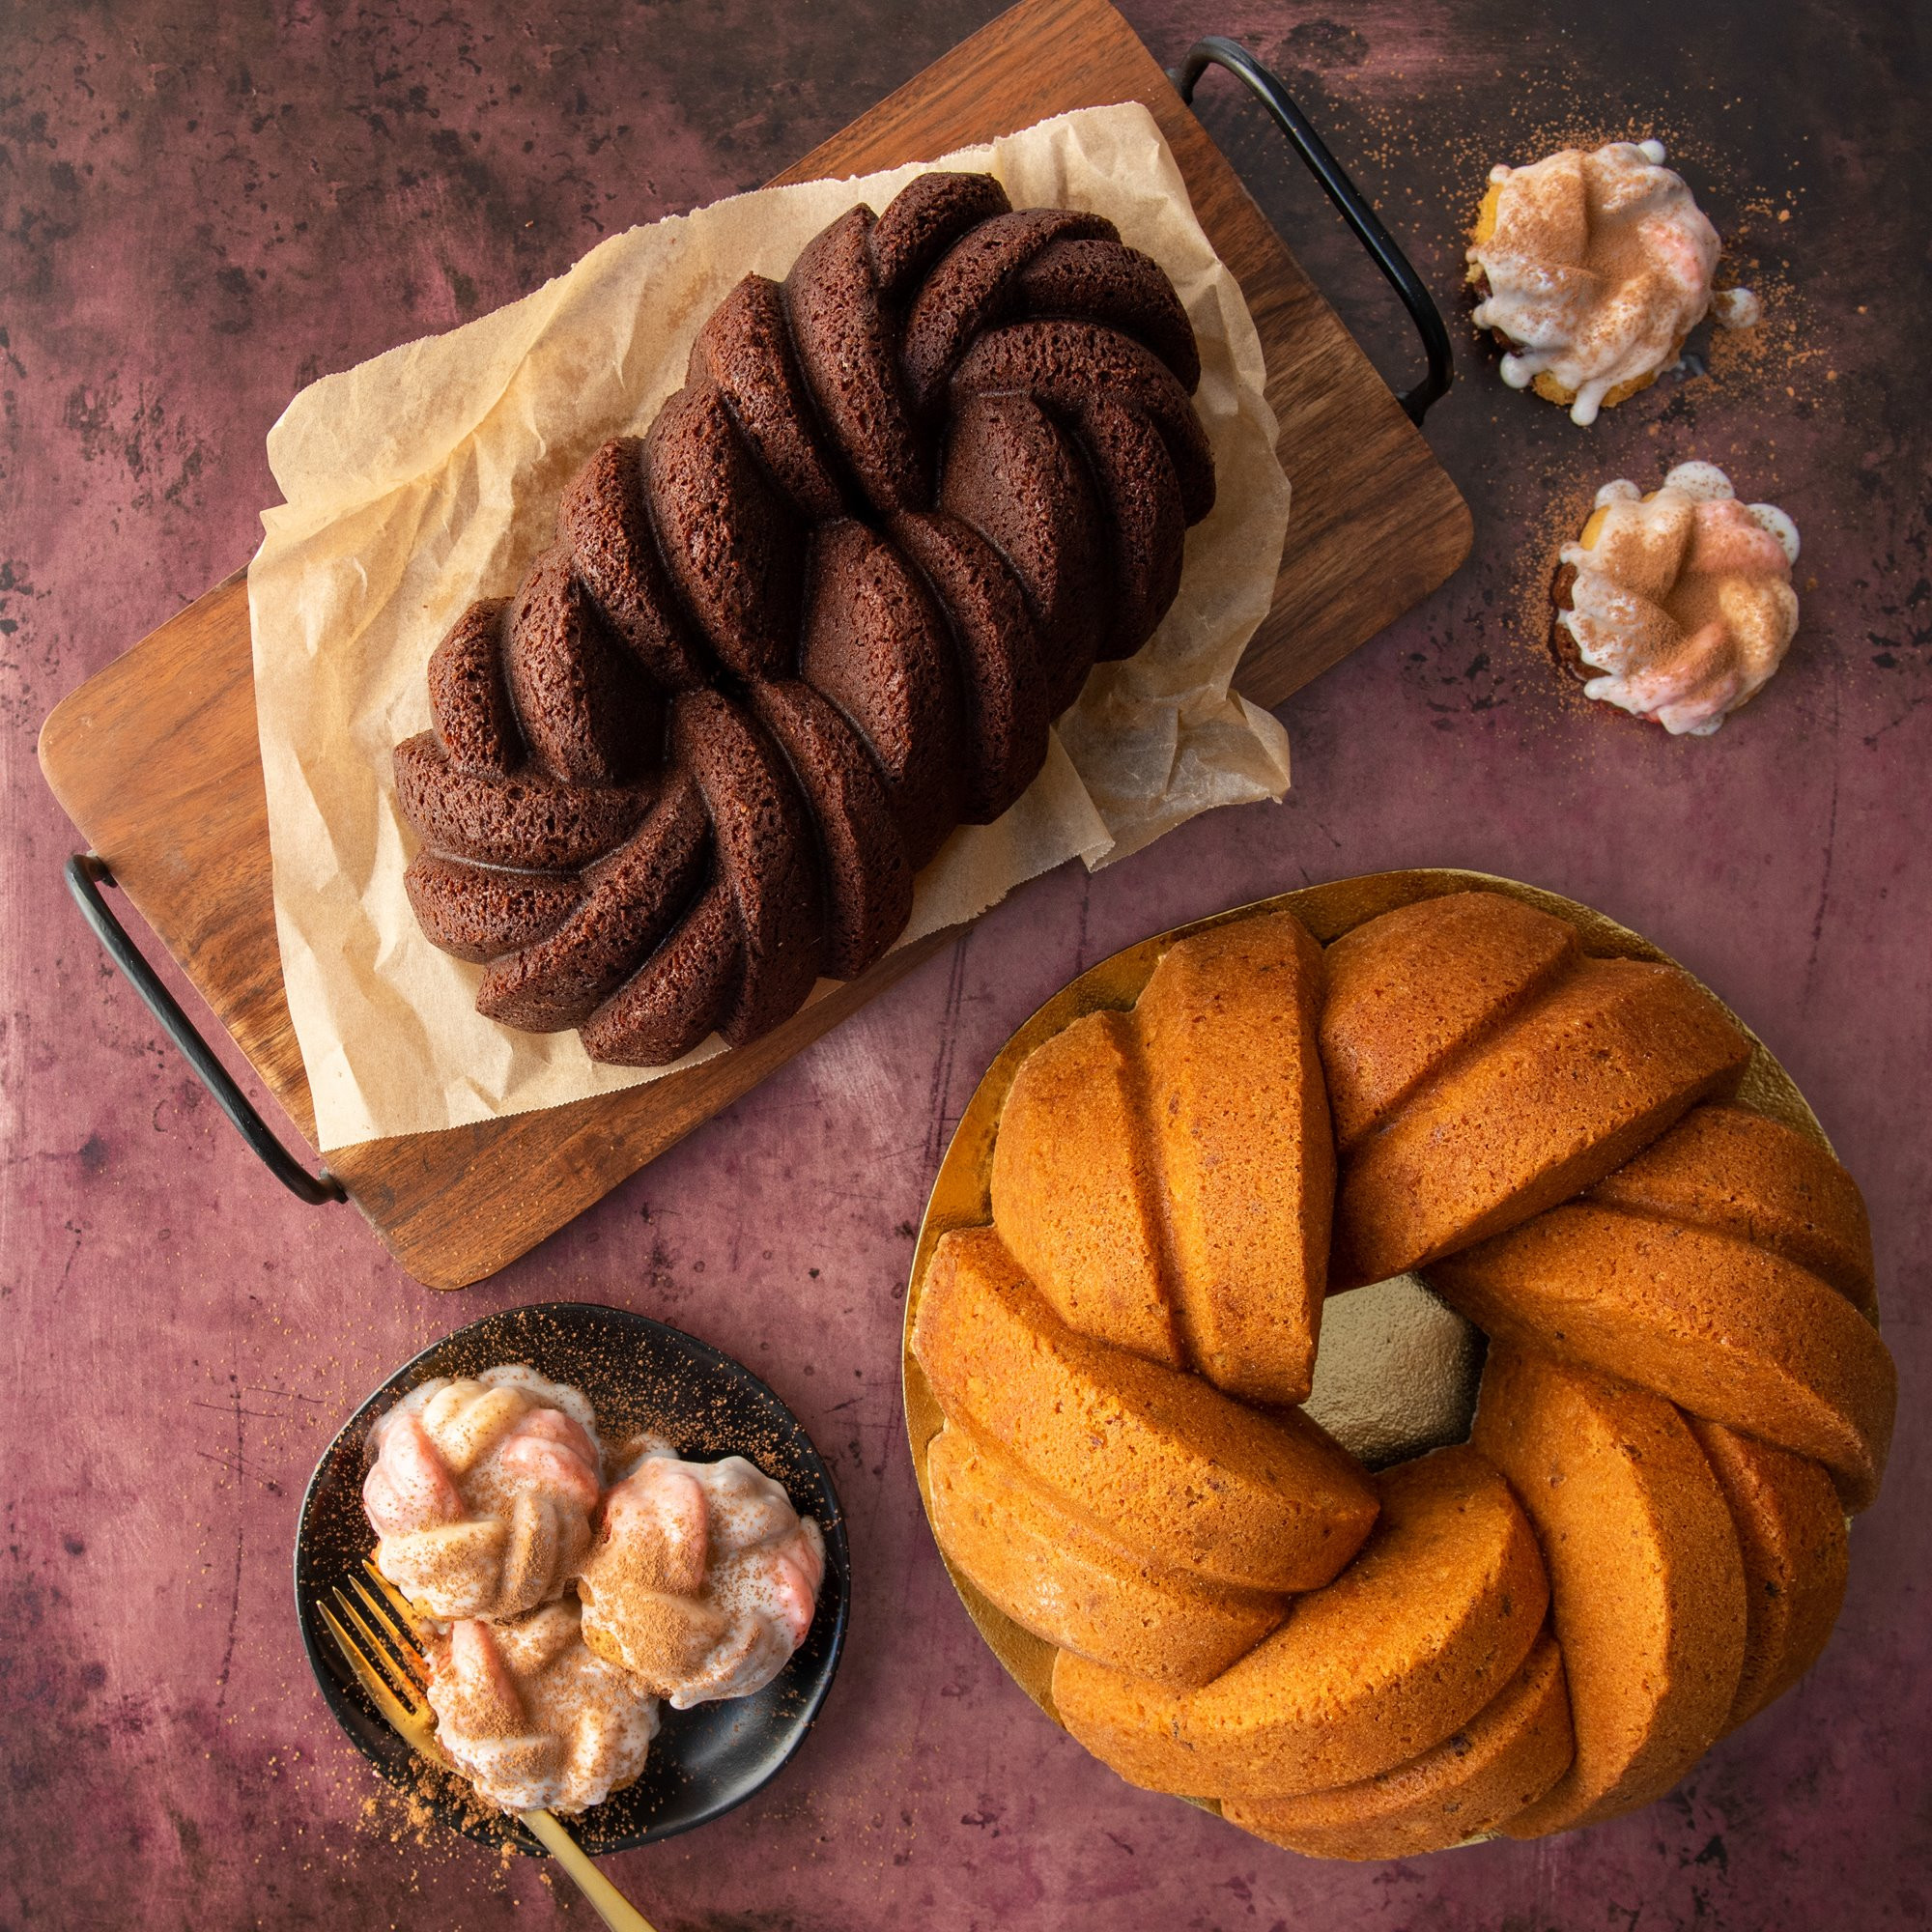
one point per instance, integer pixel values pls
(874, 646)
(1141, 518)
(1002, 665)
(923, 220)
(844, 344)
(1121, 286)
(479, 912)
(606, 522)
(678, 995)
(762, 849)
(822, 613)
(635, 894)
(583, 709)
(469, 703)
(1061, 364)
(974, 286)
(730, 539)
(1011, 474)
(867, 874)
(527, 820)
(746, 351)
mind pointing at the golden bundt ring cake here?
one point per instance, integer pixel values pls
(823, 612)
(1115, 1315)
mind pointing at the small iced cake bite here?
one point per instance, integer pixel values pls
(1592, 269)
(703, 1578)
(1677, 605)
(482, 1492)
(533, 1718)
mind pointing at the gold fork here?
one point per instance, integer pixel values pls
(395, 1673)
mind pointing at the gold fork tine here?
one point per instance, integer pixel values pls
(405, 1642)
(402, 1685)
(385, 1671)
(394, 1598)
(396, 1712)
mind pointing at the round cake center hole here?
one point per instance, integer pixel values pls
(1396, 1372)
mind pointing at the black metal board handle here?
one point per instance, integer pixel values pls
(1217, 50)
(86, 873)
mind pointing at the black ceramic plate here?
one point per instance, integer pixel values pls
(639, 1374)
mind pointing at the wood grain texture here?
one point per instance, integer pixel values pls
(156, 759)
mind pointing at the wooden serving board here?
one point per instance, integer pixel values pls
(156, 760)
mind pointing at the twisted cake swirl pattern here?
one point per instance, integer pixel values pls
(1642, 1543)
(482, 1492)
(820, 614)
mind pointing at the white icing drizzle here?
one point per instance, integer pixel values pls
(704, 1578)
(1683, 602)
(1599, 266)
(533, 1718)
(1737, 309)
(482, 1491)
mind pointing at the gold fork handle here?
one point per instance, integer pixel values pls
(610, 1904)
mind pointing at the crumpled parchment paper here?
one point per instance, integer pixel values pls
(430, 476)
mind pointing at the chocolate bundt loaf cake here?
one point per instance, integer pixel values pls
(820, 614)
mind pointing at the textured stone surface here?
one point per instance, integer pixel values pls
(194, 220)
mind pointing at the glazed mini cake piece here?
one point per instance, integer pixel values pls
(482, 1492)
(1677, 605)
(533, 1718)
(1592, 269)
(704, 1579)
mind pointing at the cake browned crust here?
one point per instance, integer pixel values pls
(1165, 1176)
(1002, 665)
(1427, 1625)
(1686, 1388)
(821, 613)
(1503, 1759)
(1058, 1576)
(1495, 1108)
(527, 820)
(1727, 1329)
(1791, 1539)
(1647, 1587)
(1739, 1173)
(1158, 1459)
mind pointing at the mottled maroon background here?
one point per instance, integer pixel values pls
(195, 219)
